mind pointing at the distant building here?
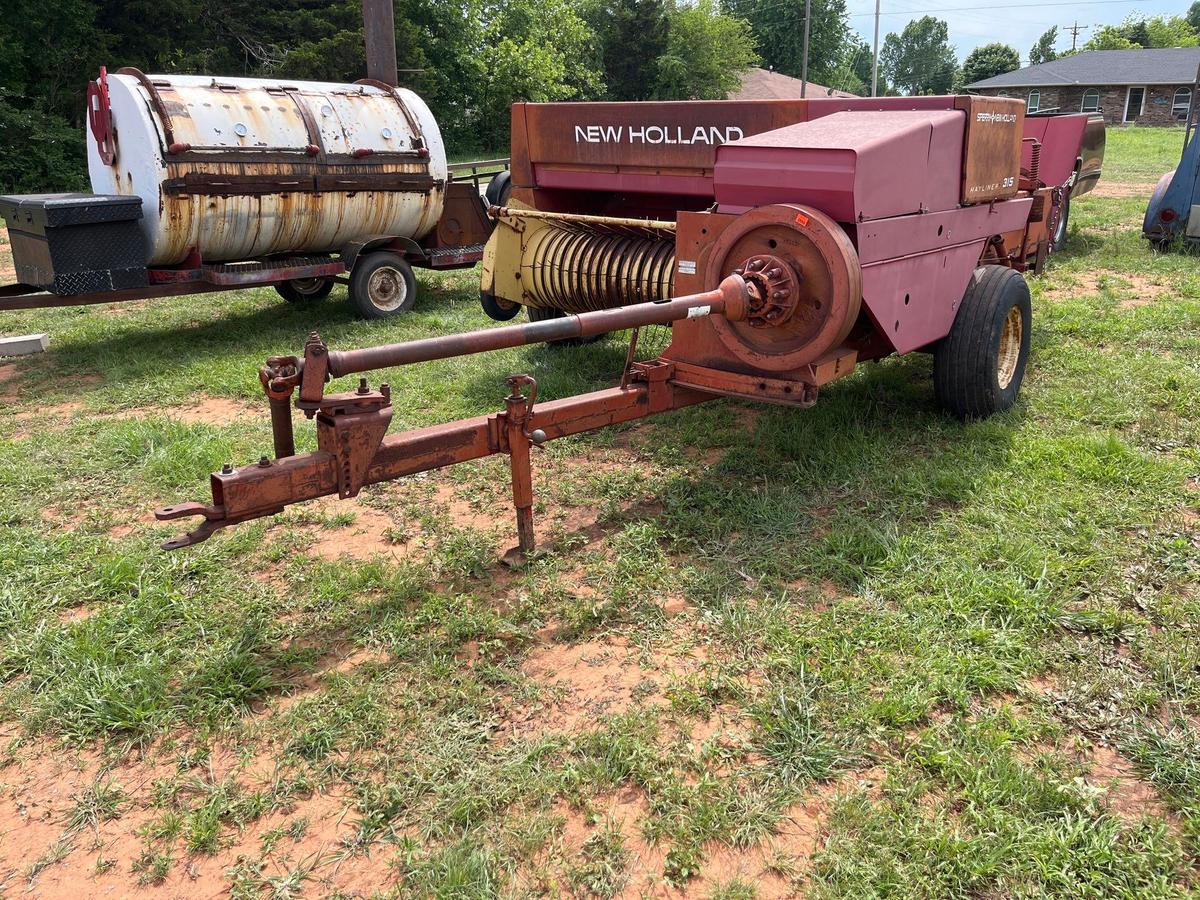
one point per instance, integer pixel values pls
(1142, 87)
(762, 84)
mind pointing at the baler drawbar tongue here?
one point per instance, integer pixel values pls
(353, 450)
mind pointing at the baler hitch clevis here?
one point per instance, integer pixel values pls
(353, 450)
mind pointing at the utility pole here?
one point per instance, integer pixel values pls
(804, 62)
(379, 29)
(875, 57)
(1075, 29)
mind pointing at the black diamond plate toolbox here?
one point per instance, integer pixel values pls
(76, 243)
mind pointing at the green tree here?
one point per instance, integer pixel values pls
(920, 59)
(706, 52)
(853, 73)
(1043, 50)
(988, 60)
(1171, 31)
(1136, 33)
(778, 28)
(860, 56)
(631, 35)
(535, 50)
(1193, 16)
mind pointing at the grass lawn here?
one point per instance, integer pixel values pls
(853, 651)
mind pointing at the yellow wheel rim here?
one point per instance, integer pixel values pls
(1010, 347)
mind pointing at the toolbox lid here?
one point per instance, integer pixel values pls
(61, 210)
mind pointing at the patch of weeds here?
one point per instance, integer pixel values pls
(100, 802)
(56, 852)
(294, 830)
(601, 867)
(166, 827)
(733, 889)
(222, 803)
(801, 742)
(152, 866)
(463, 870)
(349, 715)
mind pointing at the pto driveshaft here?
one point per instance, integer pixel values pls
(729, 300)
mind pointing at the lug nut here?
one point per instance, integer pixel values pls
(362, 386)
(227, 469)
(264, 462)
(386, 390)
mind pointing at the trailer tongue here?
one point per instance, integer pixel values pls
(353, 451)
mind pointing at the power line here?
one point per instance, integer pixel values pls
(992, 6)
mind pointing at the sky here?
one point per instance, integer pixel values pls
(1018, 23)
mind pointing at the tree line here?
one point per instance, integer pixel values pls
(470, 59)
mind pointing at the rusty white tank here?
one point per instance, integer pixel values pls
(242, 168)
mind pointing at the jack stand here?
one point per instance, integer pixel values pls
(518, 411)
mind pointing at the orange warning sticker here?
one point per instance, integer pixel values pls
(802, 220)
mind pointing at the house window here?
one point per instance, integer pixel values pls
(1181, 103)
(1091, 101)
(1035, 100)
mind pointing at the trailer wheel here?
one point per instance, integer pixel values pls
(979, 365)
(304, 290)
(382, 285)
(500, 310)
(541, 315)
(1060, 230)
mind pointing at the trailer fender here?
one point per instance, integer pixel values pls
(1162, 223)
(402, 245)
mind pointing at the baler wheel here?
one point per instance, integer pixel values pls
(536, 314)
(381, 285)
(499, 189)
(978, 367)
(304, 290)
(500, 310)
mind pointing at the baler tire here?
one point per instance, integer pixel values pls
(382, 284)
(304, 290)
(1059, 241)
(537, 314)
(978, 367)
(495, 309)
(499, 189)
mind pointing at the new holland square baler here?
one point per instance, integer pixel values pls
(783, 241)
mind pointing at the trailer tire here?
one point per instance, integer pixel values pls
(382, 285)
(537, 314)
(978, 367)
(304, 290)
(1059, 240)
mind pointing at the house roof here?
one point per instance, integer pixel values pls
(762, 84)
(1100, 67)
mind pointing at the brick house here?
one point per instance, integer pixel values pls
(1142, 87)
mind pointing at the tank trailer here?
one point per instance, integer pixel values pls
(202, 184)
(784, 242)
